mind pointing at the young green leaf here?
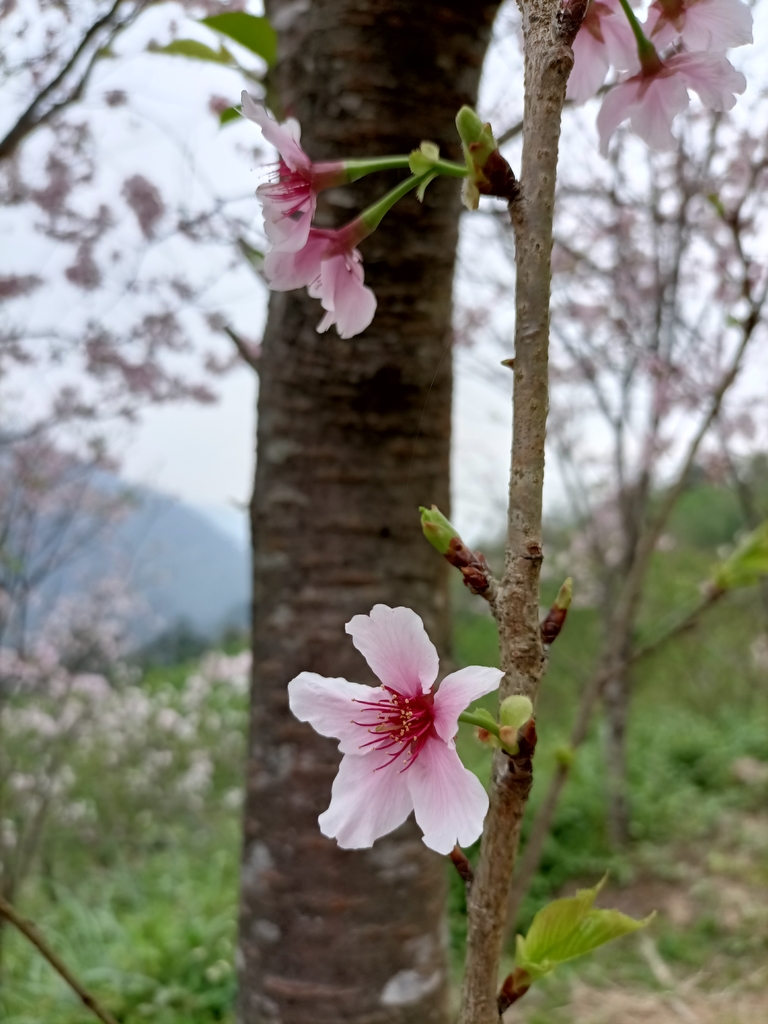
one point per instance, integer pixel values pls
(569, 928)
(229, 115)
(254, 33)
(192, 48)
(747, 563)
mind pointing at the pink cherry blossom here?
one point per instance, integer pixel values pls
(290, 201)
(652, 99)
(701, 24)
(330, 267)
(398, 738)
(604, 39)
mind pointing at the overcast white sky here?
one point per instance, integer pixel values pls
(204, 454)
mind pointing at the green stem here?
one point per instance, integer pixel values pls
(646, 51)
(374, 214)
(480, 722)
(359, 168)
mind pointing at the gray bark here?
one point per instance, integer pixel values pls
(352, 437)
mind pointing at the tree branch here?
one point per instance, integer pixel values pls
(245, 351)
(31, 119)
(30, 931)
(548, 61)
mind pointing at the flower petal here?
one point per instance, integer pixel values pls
(365, 803)
(395, 644)
(331, 705)
(450, 802)
(288, 270)
(282, 137)
(457, 691)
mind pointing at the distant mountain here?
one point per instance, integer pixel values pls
(186, 571)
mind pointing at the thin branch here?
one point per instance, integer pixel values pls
(30, 119)
(245, 351)
(30, 930)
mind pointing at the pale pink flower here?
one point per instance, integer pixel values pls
(290, 201)
(330, 267)
(604, 39)
(701, 24)
(398, 738)
(652, 99)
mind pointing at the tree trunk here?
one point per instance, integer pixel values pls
(617, 702)
(352, 437)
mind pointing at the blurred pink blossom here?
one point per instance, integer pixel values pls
(702, 24)
(653, 98)
(397, 738)
(290, 201)
(604, 39)
(330, 267)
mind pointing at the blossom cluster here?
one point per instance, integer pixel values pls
(326, 262)
(680, 48)
(86, 757)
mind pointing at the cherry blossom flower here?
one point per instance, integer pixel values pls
(398, 738)
(330, 267)
(290, 201)
(701, 24)
(604, 39)
(653, 98)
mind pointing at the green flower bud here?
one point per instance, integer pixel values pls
(515, 711)
(564, 596)
(437, 529)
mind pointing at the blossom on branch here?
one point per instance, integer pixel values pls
(654, 97)
(290, 201)
(605, 38)
(398, 738)
(330, 267)
(701, 24)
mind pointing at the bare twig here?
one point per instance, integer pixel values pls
(246, 351)
(548, 62)
(30, 930)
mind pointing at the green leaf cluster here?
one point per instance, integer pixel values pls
(747, 563)
(569, 928)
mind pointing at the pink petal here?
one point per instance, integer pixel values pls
(590, 66)
(288, 270)
(331, 706)
(394, 643)
(457, 691)
(652, 115)
(620, 42)
(288, 234)
(450, 802)
(717, 24)
(282, 137)
(345, 296)
(712, 76)
(614, 110)
(365, 803)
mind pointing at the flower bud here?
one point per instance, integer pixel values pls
(508, 737)
(437, 529)
(553, 623)
(515, 711)
(489, 173)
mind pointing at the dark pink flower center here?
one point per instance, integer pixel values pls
(291, 188)
(398, 724)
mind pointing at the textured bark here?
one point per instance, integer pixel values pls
(548, 61)
(353, 436)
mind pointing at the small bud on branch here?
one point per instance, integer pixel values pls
(555, 620)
